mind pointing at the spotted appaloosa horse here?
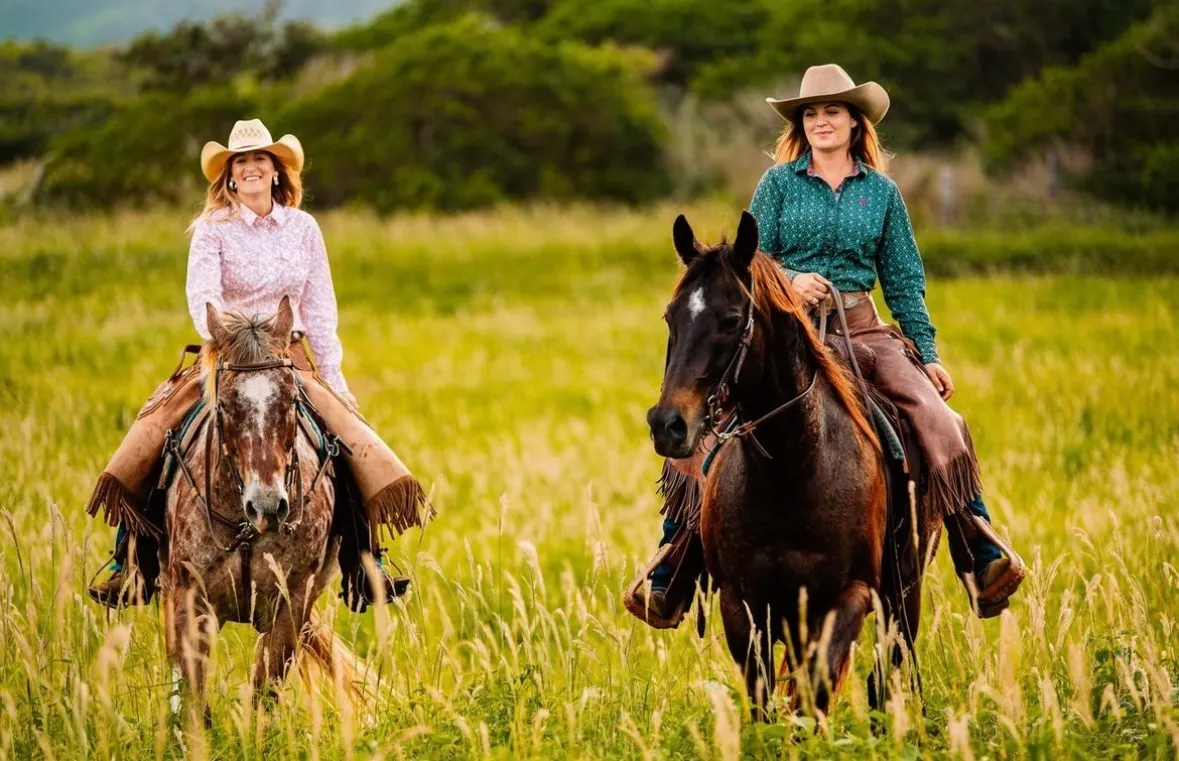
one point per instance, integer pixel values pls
(248, 523)
(795, 498)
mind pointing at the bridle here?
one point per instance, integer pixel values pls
(292, 478)
(716, 414)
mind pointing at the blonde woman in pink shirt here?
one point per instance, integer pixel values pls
(251, 246)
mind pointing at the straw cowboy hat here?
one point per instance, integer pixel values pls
(829, 82)
(250, 135)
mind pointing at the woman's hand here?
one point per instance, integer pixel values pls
(941, 379)
(812, 286)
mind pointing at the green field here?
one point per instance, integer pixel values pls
(509, 358)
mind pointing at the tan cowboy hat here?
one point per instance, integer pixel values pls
(829, 82)
(250, 135)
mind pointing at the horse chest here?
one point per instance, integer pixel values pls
(773, 542)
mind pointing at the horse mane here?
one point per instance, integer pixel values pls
(774, 294)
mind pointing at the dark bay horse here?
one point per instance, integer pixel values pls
(248, 523)
(794, 505)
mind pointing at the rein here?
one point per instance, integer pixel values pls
(724, 389)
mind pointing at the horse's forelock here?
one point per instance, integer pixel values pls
(706, 258)
(250, 340)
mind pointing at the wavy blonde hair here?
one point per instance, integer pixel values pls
(865, 142)
(288, 192)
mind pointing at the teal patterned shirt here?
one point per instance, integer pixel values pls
(850, 236)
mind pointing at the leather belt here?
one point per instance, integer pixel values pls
(850, 299)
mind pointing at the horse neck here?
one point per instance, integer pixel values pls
(784, 368)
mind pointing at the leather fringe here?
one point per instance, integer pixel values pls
(119, 505)
(400, 505)
(681, 496)
(951, 488)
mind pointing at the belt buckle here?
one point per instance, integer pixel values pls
(850, 301)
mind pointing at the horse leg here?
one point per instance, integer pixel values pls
(907, 615)
(188, 645)
(840, 629)
(876, 678)
(274, 654)
(752, 649)
(909, 623)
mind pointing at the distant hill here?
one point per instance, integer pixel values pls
(98, 22)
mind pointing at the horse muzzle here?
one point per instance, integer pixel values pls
(266, 509)
(674, 436)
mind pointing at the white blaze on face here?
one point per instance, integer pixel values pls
(696, 302)
(256, 390)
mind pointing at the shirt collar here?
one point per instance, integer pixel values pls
(278, 213)
(802, 165)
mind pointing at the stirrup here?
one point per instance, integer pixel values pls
(994, 599)
(359, 595)
(124, 589)
(637, 599)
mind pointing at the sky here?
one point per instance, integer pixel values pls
(90, 23)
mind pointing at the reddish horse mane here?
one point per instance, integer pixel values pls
(774, 294)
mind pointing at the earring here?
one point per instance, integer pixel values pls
(233, 185)
(276, 180)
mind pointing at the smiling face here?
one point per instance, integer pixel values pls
(828, 126)
(254, 173)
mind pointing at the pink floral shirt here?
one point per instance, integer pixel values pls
(246, 263)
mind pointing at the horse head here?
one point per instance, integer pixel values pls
(252, 391)
(709, 321)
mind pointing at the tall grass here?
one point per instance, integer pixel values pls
(509, 357)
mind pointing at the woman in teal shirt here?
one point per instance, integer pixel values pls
(828, 212)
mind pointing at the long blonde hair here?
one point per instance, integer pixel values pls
(865, 142)
(288, 192)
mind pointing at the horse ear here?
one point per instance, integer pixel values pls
(284, 320)
(217, 330)
(684, 240)
(745, 246)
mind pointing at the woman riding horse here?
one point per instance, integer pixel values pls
(251, 246)
(833, 219)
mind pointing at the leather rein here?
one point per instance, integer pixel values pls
(724, 388)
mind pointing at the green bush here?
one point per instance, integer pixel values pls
(689, 34)
(942, 61)
(146, 154)
(45, 90)
(469, 114)
(1120, 104)
(414, 15)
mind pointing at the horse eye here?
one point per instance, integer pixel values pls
(730, 323)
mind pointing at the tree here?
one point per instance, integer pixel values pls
(195, 55)
(471, 113)
(144, 153)
(942, 61)
(1120, 104)
(688, 33)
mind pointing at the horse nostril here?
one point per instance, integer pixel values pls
(251, 513)
(284, 509)
(667, 423)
